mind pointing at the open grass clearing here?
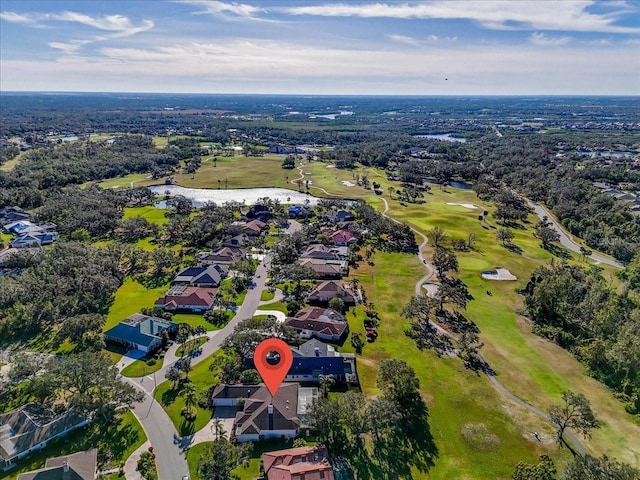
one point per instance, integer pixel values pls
(140, 368)
(122, 438)
(130, 298)
(149, 212)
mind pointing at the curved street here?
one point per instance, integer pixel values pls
(170, 460)
(566, 239)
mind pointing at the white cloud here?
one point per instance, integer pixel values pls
(543, 40)
(494, 14)
(120, 25)
(225, 9)
(416, 42)
(18, 18)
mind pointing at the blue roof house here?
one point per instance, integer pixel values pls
(140, 332)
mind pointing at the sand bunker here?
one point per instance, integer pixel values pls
(347, 183)
(499, 274)
(431, 289)
(465, 205)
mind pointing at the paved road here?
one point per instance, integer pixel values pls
(566, 239)
(159, 428)
(499, 386)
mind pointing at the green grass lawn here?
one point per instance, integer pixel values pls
(140, 368)
(5, 238)
(122, 441)
(151, 213)
(190, 345)
(194, 319)
(130, 298)
(173, 403)
(125, 181)
(266, 295)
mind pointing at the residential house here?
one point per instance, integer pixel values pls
(12, 214)
(224, 256)
(253, 228)
(140, 332)
(31, 427)
(339, 216)
(332, 289)
(327, 252)
(314, 358)
(323, 269)
(343, 237)
(301, 463)
(322, 323)
(77, 466)
(241, 240)
(261, 415)
(261, 212)
(20, 226)
(26, 240)
(184, 298)
(205, 276)
(300, 211)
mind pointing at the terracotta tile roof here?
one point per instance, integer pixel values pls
(310, 463)
(190, 297)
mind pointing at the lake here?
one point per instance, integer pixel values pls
(248, 196)
(453, 184)
(443, 136)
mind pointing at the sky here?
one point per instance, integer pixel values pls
(430, 47)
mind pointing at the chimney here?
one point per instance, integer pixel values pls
(65, 466)
(316, 351)
(270, 411)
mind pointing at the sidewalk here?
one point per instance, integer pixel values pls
(131, 465)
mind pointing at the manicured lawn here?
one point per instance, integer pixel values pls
(140, 368)
(266, 295)
(194, 320)
(151, 213)
(125, 181)
(122, 441)
(5, 238)
(130, 298)
(173, 403)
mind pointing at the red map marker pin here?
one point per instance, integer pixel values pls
(273, 374)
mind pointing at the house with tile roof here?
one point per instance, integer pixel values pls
(343, 237)
(184, 298)
(77, 466)
(332, 289)
(322, 323)
(301, 463)
(326, 269)
(31, 427)
(141, 332)
(224, 256)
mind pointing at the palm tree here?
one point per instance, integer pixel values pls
(189, 393)
(326, 382)
(217, 428)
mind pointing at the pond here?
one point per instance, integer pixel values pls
(453, 184)
(248, 196)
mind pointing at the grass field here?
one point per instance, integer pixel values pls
(122, 440)
(151, 213)
(139, 368)
(173, 403)
(130, 298)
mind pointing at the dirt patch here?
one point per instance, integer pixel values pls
(479, 436)
(465, 205)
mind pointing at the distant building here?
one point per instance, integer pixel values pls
(193, 299)
(206, 276)
(140, 332)
(329, 289)
(322, 323)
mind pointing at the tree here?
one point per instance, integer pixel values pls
(444, 262)
(326, 382)
(174, 376)
(545, 470)
(505, 235)
(585, 252)
(337, 304)
(26, 364)
(436, 236)
(545, 232)
(186, 367)
(382, 417)
(574, 413)
(222, 456)
(147, 465)
(190, 399)
(357, 342)
(250, 377)
(399, 382)
(603, 468)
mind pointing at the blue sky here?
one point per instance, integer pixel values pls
(436, 47)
